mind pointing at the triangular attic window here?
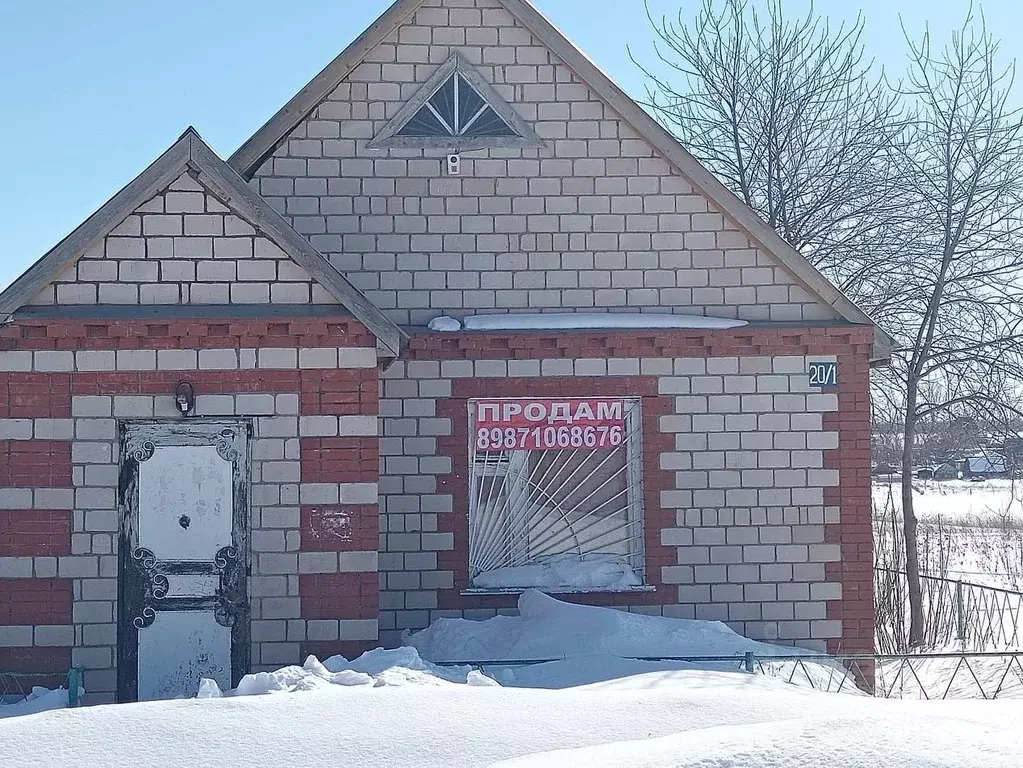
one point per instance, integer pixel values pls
(456, 109)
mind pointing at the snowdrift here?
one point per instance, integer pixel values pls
(905, 740)
(706, 718)
(39, 700)
(547, 628)
(378, 668)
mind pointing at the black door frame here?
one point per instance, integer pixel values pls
(142, 580)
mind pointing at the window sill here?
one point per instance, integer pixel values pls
(566, 591)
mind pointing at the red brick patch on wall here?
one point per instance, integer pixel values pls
(340, 460)
(35, 395)
(35, 533)
(35, 464)
(655, 479)
(35, 601)
(36, 660)
(340, 528)
(854, 533)
(339, 595)
(209, 333)
(347, 392)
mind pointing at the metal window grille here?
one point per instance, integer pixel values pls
(456, 109)
(569, 511)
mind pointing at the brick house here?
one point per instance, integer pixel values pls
(227, 431)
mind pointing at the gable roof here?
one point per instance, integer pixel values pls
(191, 152)
(251, 155)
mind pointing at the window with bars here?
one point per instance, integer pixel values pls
(556, 496)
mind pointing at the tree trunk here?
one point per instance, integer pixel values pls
(916, 606)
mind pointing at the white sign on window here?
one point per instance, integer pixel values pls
(555, 498)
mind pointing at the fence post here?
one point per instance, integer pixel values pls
(960, 614)
(748, 662)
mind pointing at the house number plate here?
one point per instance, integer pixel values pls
(823, 374)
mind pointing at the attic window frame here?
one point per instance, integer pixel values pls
(524, 137)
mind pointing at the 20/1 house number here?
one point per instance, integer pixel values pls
(823, 374)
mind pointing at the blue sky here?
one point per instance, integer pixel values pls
(93, 91)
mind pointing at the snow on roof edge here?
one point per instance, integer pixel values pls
(580, 321)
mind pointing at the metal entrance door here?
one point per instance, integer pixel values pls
(183, 609)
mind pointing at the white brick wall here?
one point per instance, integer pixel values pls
(596, 220)
(748, 498)
(184, 247)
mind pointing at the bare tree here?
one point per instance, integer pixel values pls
(788, 115)
(917, 215)
(959, 318)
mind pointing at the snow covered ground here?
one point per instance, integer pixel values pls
(39, 700)
(393, 708)
(680, 718)
(956, 500)
(968, 530)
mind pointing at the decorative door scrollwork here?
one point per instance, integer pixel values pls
(151, 586)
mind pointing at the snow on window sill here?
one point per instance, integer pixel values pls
(559, 590)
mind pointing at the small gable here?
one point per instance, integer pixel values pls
(184, 246)
(188, 231)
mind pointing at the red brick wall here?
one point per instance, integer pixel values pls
(339, 595)
(35, 464)
(34, 533)
(35, 601)
(48, 666)
(35, 395)
(35, 660)
(854, 533)
(185, 334)
(740, 342)
(340, 528)
(338, 393)
(340, 460)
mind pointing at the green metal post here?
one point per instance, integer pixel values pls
(74, 686)
(748, 662)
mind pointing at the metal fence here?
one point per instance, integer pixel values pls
(16, 686)
(971, 617)
(888, 676)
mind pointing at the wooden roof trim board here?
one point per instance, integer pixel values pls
(257, 149)
(191, 152)
(263, 142)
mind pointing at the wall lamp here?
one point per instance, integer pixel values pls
(184, 397)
